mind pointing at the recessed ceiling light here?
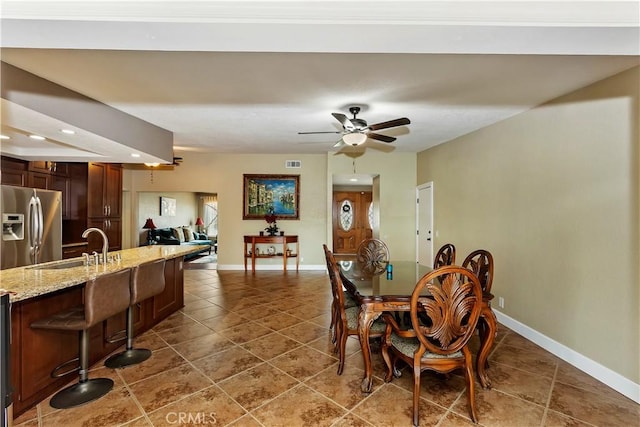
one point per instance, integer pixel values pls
(135, 155)
(4, 137)
(38, 137)
(68, 131)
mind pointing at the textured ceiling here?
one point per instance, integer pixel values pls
(233, 81)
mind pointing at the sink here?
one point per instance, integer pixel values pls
(59, 265)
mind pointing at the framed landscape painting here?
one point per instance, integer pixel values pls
(277, 195)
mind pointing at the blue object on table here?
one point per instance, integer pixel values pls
(389, 271)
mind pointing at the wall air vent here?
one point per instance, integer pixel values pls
(296, 164)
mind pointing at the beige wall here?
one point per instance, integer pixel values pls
(553, 194)
(223, 174)
(397, 178)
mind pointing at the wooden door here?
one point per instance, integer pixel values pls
(351, 220)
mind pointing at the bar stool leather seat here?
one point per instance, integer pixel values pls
(104, 296)
(147, 280)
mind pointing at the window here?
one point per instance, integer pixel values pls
(210, 214)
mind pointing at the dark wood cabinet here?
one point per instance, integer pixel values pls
(35, 352)
(112, 227)
(13, 171)
(62, 184)
(41, 174)
(39, 180)
(75, 250)
(104, 203)
(172, 298)
(91, 196)
(105, 190)
(49, 167)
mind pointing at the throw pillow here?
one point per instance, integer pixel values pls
(178, 234)
(188, 234)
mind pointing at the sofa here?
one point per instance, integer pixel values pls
(183, 236)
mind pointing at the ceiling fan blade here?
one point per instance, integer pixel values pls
(346, 122)
(340, 143)
(383, 138)
(390, 124)
(310, 133)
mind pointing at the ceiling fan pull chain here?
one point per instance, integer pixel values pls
(354, 166)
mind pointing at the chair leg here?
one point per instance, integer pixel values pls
(131, 356)
(85, 390)
(387, 361)
(333, 326)
(342, 342)
(336, 344)
(471, 397)
(416, 394)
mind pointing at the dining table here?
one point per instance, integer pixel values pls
(389, 289)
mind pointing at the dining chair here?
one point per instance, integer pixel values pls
(373, 254)
(346, 317)
(444, 309)
(480, 262)
(446, 255)
(348, 300)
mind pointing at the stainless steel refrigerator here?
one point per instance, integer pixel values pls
(31, 226)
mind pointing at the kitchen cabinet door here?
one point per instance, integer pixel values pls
(105, 190)
(112, 227)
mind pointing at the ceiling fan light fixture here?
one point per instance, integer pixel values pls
(354, 138)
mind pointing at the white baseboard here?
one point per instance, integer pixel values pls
(272, 267)
(603, 374)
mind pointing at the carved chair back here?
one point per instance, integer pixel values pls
(446, 255)
(373, 255)
(480, 262)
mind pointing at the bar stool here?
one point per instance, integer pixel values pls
(147, 280)
(104, 296)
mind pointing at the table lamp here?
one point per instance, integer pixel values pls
(199, 224)
(149, 225)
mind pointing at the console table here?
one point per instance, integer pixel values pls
(252, 241)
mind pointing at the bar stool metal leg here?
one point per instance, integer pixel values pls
(147, 280)
(131, 356)
(86, 390)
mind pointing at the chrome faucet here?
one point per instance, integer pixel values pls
(105, 242)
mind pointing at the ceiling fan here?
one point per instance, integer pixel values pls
(155, 166)
(356, 131)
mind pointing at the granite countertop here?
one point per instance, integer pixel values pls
(28, 282)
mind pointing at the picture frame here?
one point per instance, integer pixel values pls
(277, 195)
(167, 206)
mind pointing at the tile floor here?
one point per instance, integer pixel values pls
(255, 351)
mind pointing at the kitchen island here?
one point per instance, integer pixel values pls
(42, 290)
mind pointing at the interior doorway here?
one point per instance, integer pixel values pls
(355, 216)
(351, 223)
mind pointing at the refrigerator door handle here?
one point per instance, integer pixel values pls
(40, 222)
(33, 228)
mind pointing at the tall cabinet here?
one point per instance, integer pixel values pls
(104, 204)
